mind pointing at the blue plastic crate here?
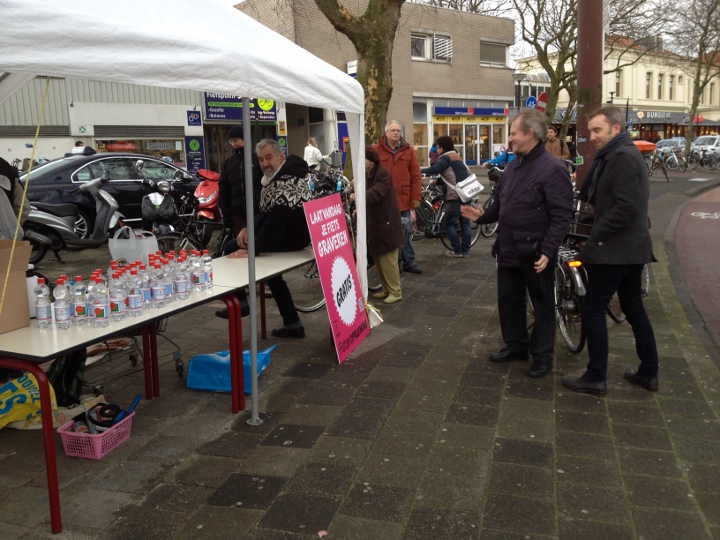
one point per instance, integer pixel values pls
(211, 372)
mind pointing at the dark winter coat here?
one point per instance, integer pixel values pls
(384, 229)
(405, 170)
(280, 224)
(620, 233)
(453, 170)
(231, 198)
(533, 207)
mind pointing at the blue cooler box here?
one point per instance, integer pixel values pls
(211, 372)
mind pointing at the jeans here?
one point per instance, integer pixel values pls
(407, 253)
(452, 214)
(512, 307)
(603, 281)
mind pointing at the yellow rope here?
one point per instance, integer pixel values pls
(22, 204)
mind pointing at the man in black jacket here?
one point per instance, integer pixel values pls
(280, 224)
(617, 185)
(533, 209)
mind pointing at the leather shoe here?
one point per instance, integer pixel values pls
(649, 384)
(289, 332)
(584, 386)
(413, 269)
(506, 355)
(539, 369)
(391, 299)
(223, 313)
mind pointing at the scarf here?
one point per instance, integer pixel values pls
(587, 191)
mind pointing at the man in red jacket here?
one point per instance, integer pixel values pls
(399, 157)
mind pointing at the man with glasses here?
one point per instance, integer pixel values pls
(399, 157)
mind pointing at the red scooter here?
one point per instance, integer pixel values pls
(208, 211)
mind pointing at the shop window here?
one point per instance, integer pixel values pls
(315, 115)
(671, 85)
(493, 53)
(431, 47)
(419, 111)
(420, 142)
(618, 82)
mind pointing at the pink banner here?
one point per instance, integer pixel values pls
(336, 266)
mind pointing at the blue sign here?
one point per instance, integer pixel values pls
(229, 107)
(630, 124)
(194, 153)
(531, 102)
(468, 111)
(194, 118)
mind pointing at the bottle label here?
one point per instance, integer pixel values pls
(168, 290)
(42, 313)
(63, 314)
(198, 278)
(101, 311)
(158, 293)
(208, 277)
(182, 285)
(146, 293)
(79, 310)
(135, 301)
(117, 303)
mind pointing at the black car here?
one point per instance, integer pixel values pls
(56, 181)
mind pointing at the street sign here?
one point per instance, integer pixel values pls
(542, 102)
(531, 102)
(630, 124)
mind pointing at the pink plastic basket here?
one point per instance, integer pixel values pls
(89, 446)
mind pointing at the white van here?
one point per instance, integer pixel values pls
(708, 143)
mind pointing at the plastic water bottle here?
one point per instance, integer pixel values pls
(198, 272)
(339, 184)
(168, 279)
(118, 298)
(157, 287)
(206, 260)
(42, 304)
(62, 307)
(144, 276)
(101, 304)
(78, 292)
(181, 281)
(135, 295)
(311, 183)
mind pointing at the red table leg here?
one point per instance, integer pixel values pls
(147, 362)
(263, 327)
(48, 437)
(154, 359)
(236, 352)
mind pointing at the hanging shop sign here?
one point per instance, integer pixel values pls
(230, 107)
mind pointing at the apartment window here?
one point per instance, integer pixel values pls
(618, 81)
(493, 53)
(712, 93)
(660, 85)
(431, 47)
(680, 79)
(671, 85)
(648, 82)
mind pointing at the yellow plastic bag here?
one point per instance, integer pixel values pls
(20, 399)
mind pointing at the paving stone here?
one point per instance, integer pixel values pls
(322, 479)
(694, 428)
(472, 414)
(377, 501)
(305, 370)
(664, 524)
(219, 523)
(381, 389)
(489, 534)
(404, 359)
(593, 530)
(535, 482)
(277, 402)
(231, 444)
(177, 497)
(11, 532)
(149, 514)
(311, 415)
(298, 385)
(456, 492)
(710, 504)
(529, 390)
(458, 461)
(272, 461)
(698, 451)
(166, 450)
(482, 364)
(584, 444)
(26, 507)
(404, 443)
(625, 413)
(199, 470)
(649, 462)
(521, 452)
(391, 374)
(130, 477)
(270, 419)
(466, 436)
(704, 477)
(582, 422)
(588, 471)
(427, 523)
(293, 436)
(592, 503)
(519, 514)
(475, 395)
(94, 507)
(131, 529)
(345, 451)
(393, 470)
(362, 418)
(659, 493)
(422, 422)
(355, 528)
(418, 400)
(523, 426)
(685, 408)
(568, 400)
(247, 491)
(330, 396)
(483, 379)
(296, 512)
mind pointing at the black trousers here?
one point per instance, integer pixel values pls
(513, 285)
(603, 281)
(278, 287)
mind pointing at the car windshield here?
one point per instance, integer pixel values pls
(47, 168)
(705, 141)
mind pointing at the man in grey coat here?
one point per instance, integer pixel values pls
(617, 185)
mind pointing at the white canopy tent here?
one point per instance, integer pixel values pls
(205, 46)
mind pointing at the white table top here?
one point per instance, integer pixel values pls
(234, 272)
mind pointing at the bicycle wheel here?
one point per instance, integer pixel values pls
(693, 162)
(305, 287)
(424, 215)
(614, 310)
(373, 278)
(568, 310)
(488, 229)
(682, 164)
(671, 162)
(174, 241)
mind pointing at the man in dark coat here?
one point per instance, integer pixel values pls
(533, 209)
(280, 224)
(617, 185)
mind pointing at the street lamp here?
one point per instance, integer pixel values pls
(518, 78)
(611, 98)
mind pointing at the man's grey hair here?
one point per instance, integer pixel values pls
(532, 120)
(387, 126)
(268, 142)
(612, 114)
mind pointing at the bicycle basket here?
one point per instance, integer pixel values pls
(163, 211)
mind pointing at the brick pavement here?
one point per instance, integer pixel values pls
(417, 436)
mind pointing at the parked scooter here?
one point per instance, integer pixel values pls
(56, 222)
(208, 216)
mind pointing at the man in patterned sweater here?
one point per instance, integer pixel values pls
(280, 225)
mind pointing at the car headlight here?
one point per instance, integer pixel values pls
(205, 200)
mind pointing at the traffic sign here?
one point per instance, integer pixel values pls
(531, 102)
(542, 102)
(630, 123)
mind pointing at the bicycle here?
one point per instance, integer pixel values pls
(569, 291)
(704, 159)
(675, 160)
(494, 174)
(654, 161)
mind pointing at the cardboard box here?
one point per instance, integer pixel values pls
(15, 310)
